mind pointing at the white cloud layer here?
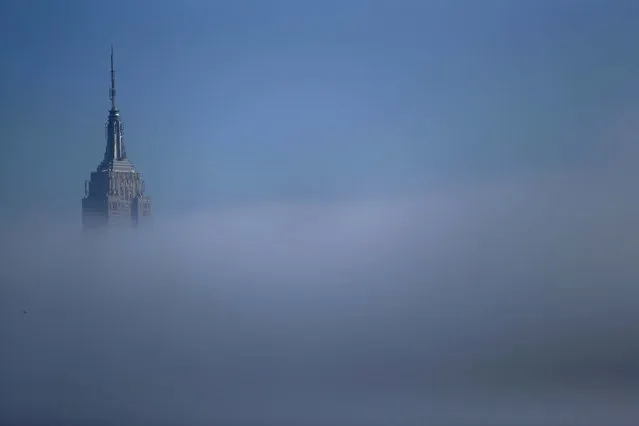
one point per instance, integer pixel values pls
(501, 303)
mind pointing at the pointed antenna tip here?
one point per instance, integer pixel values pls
(112, 91)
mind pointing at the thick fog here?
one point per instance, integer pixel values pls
(509, 302)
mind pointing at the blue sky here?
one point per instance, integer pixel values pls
(229, 102)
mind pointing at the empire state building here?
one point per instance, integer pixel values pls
(114, 196)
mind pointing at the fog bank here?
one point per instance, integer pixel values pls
(507, 302)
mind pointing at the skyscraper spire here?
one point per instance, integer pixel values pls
(112, 91)
(114, 127)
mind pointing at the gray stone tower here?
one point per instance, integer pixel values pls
(114, 196)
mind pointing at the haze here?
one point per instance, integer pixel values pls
(367, 214)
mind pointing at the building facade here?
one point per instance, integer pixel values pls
(115, 193)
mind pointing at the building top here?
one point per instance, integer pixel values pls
(115, 194)
(115, 152)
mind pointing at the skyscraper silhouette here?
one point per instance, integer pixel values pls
(114, 196)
